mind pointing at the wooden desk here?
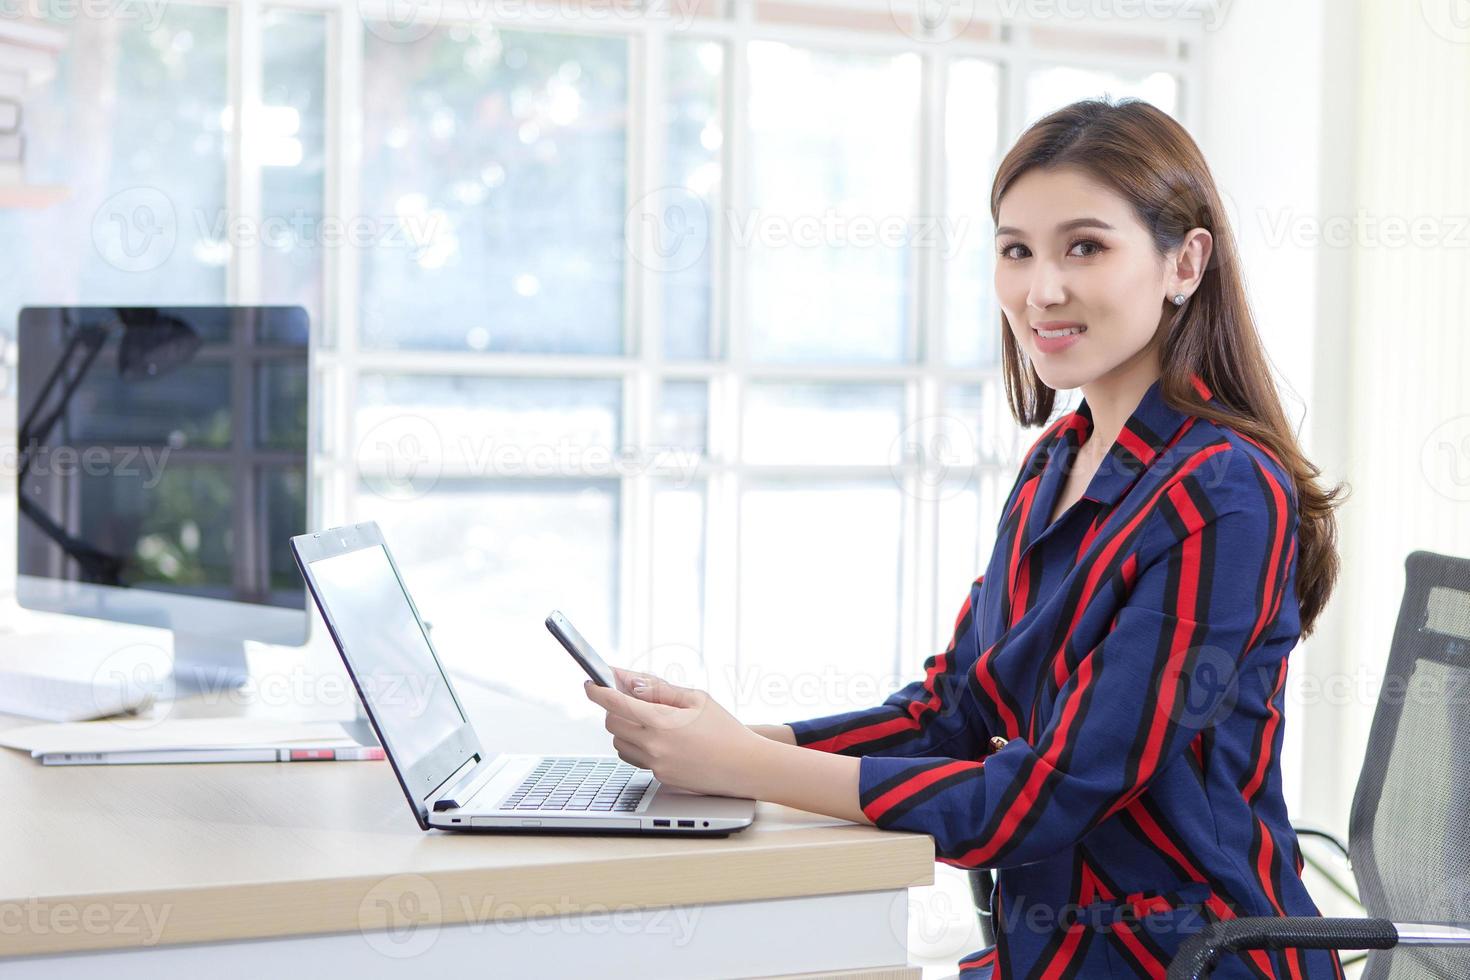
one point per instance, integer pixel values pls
(284, 870)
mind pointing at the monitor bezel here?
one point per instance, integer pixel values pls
(205, 617)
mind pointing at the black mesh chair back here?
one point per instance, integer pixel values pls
(1409, 835)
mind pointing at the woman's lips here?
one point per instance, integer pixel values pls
(1055, 345)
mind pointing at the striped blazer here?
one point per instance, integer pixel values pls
(1129, 660)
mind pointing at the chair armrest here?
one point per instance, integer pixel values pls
(1200, 952)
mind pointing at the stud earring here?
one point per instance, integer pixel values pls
(1178, 299)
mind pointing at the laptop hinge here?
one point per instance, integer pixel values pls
(463, 785)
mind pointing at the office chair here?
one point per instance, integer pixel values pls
(982, 884)
(1409, 831)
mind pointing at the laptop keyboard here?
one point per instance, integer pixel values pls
(581, 784)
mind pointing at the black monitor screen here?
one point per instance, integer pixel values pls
(164, 448)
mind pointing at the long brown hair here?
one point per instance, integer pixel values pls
(1146, 157)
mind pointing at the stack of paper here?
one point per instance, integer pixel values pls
(145, 740)
(28, 53)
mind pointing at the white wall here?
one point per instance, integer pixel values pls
(1325, 123)
(1279, 86)
(1409, 407)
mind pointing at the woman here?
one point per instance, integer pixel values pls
(1105, 727)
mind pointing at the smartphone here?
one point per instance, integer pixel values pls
(581, 650)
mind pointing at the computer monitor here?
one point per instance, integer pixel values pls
(162, 469)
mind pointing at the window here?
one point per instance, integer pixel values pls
(685, 329)
(498, 158)
(833, 159)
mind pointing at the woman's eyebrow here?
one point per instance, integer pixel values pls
(1064, 226)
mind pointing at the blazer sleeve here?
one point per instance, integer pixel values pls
(1205, 584)
(925, 717)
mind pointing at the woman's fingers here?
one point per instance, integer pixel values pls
(627, 678)
(659, 691)
(616, 702)
(630, 753)
(626, 727)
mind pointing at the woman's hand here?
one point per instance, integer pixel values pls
(680, 733)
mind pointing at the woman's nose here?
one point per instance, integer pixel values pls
(1046, 291)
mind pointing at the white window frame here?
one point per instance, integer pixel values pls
(925, 605)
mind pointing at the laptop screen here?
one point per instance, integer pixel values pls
(390, 657)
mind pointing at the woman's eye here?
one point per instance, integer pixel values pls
(1005, 251)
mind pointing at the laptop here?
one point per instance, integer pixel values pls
(450, 780)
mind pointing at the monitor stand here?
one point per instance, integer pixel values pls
(215, 664)
(208, 664)
(359, 728)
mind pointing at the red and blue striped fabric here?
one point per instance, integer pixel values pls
(1133, 656)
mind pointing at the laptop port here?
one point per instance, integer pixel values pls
(686, 823)
(660, 823)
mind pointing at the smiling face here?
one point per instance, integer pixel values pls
(1070, 251)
